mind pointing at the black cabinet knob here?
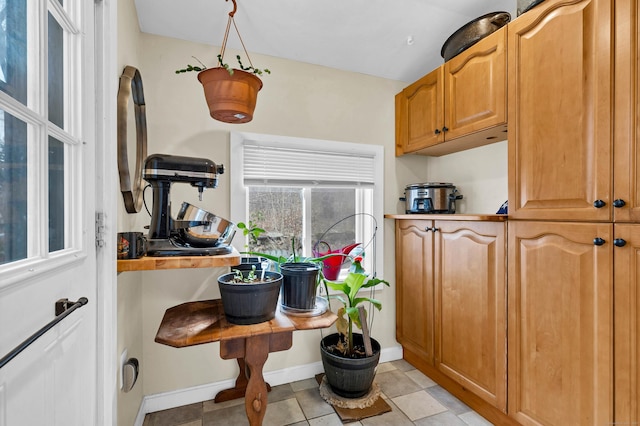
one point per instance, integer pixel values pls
(618, 203)
(619, 242)
(598, 241)
(445, 129)
(598, 204)
(437, 131)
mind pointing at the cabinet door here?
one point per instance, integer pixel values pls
(560, 323)
(627, 107)
(627, 324)
(414, 287)
(476, 87)
(470, 307)
(560, 100)
(419, 114)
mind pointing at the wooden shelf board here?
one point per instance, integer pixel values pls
(149, 263)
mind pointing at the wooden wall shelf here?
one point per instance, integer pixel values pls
(179, 262)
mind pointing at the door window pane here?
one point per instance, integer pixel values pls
(13, 188)
(13, 48)
(56, 73)
(56, 195)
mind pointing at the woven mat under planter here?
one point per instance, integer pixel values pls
(372, 403)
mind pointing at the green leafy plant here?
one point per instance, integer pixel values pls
(294, 257)
(348, 314)
(251, 276)
(202, 67)
(252, 231)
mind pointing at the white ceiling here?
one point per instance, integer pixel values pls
(365, 36)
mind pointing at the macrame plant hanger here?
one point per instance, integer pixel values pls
(226, 37)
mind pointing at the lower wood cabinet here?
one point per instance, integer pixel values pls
(451, 301)
(560, 304)
(626, 322)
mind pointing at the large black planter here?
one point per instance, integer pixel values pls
(249, 303)
(350, 378)
(299, 285)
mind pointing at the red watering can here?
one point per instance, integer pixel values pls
(331, 266)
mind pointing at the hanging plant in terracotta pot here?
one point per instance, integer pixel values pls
(231, 93)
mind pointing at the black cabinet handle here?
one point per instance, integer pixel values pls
(437, 131)
(435, 229)
(598, 241)
(445, 129)
(618, 203)
(427, 229)
(598, 204)
(619, 242)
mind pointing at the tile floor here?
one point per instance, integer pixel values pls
(414, 399)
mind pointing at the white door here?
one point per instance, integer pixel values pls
(47, 211)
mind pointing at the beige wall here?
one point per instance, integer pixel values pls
(129, 286)
(297, 100)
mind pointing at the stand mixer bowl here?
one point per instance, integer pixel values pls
(200, 228)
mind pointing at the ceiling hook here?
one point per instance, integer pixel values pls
(235, 7)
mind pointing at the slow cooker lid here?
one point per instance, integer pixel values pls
(427, 185)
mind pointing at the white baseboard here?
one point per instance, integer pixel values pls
(177, 398)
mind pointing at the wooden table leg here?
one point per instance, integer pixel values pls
(239, 389)
(255, 399)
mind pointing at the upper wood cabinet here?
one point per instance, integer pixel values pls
(626, 176)
(459, 105)
(560, 91)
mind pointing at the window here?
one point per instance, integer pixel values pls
(40, 140)
(322, 195)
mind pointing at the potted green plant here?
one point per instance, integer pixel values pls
(250, 296)
(301, 277)
(349, 370)
(251, 231)
(231, 93)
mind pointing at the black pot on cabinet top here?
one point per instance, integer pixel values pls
(472, 32)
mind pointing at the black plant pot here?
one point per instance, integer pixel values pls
(349, 377)
(249, 303)
(248, 262)
(299, 285)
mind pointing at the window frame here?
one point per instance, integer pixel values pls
(39, 259)
(238, 198)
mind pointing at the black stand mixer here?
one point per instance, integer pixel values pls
(171, 237)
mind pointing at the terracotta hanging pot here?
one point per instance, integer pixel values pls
(231, 97)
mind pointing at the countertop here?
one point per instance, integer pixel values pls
(467, 217)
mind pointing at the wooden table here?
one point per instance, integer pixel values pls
(195, 323)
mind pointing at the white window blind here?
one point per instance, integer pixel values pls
(267, 164)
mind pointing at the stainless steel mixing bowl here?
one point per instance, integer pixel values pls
(200, 228)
